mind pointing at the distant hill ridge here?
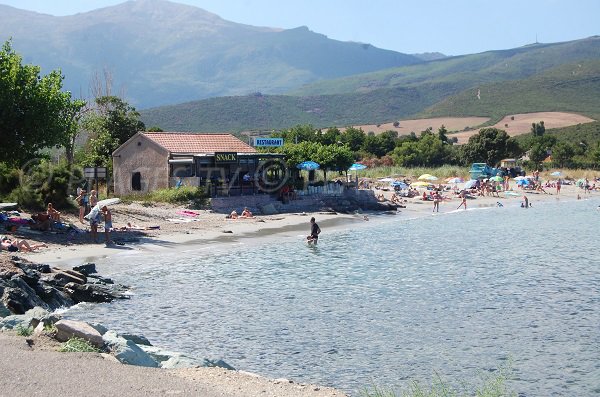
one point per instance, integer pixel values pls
(542, 77)
(161, 52)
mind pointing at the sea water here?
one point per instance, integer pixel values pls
(385, 302)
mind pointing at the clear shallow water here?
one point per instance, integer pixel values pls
(391, 300)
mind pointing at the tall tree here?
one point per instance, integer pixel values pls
(34, 112)
(111, 125)
(490, 145)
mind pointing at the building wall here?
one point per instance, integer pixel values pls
(143, 156)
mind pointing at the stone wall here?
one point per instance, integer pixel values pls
(143, 156)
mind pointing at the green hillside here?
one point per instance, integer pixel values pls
(465, 71)
(571, 88)
(588, 134)
(268, 112)
(541, 77)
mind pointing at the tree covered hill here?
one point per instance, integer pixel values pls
(159, 52)
(438, 88)
(572, 87)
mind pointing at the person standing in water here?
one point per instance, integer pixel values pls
(315, 230)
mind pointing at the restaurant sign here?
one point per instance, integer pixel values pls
(226, 158)
(268, 142)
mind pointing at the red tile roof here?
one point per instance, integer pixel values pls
(186, 142)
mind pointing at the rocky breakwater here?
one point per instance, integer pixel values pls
(30, 292)
(25, 285)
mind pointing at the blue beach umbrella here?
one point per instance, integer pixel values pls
(308, 166)
(522, 182)
(357, 167)
(556, 173)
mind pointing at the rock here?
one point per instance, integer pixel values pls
(67, 329)
(127, 352)
(30, 319)
(96, 293)
(158, 354)
(99, 327)
(99, 280)
(268, 209)
(39, 329)
(137, 339)
(4, 310)
(20, 297)
(181, 361)
(54, 297)
(86, 268)
(217, 363)
(60, 278)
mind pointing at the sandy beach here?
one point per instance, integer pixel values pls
(209, 228)
(175, 232)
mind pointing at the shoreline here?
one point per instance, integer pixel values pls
(215, 231)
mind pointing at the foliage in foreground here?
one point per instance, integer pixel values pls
(78, 345)
(24, 331)
(490, 385)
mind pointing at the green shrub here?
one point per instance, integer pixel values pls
(78, 345)
(489, 385)
(24, 331)
(38, 184)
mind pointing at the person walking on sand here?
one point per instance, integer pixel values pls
(107, 224)
(315, 230)
(464, 202)
(558, 184)
(93, 199)
(81, 202)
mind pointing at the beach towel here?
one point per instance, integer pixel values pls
(187, 213)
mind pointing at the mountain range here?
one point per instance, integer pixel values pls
(159, 52)
(190, 70)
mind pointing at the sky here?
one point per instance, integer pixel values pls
(452, 27)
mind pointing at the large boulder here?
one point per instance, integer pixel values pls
(67, 329)
(31, 318)
(127, 352)
(54, 297)
(18, 296)
(4, 310)
(96, 293)
(86, 268)
(137, 339)
(181, 361)
(60, 278)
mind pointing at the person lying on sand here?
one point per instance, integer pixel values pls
(233, 215)
(246, 213)
(18, 245)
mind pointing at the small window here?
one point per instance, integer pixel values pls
(136, 181)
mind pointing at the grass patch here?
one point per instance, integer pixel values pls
(78, 345)
(23, 331)
(50, 329)
(492, 384)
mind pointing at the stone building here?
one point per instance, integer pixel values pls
(222, 163)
